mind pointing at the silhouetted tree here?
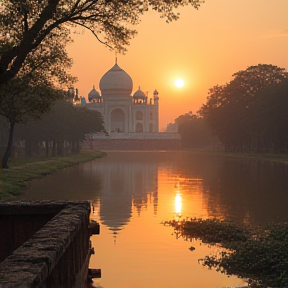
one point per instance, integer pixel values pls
(230, 109)
(65, 123)
(22, 100)
(269, 117)
(194, 131)
(26, 25)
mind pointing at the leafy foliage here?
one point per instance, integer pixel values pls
(28, 26)
(194, 132)
(242, 113)
(256, 254)
(23, 99)
(210, 230)
(65, 123)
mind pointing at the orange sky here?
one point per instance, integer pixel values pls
(204, 48)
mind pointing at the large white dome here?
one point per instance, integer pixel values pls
(116, 82)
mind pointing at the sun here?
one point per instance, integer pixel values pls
(179, 83)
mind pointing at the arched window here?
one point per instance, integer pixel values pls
(117, 122)
(139, 128)
(139, 115)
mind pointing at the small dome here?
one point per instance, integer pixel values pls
(93, 94)
(139, 94)
(116, 81)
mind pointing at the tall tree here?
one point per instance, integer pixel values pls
(230, 109)
(23, 100)
(270, 117)
(24, 25)
(33, 91)
(65, 123)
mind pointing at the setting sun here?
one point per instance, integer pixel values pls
(179, 83)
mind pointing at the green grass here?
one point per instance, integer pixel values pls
(281, 157)
(22, 171)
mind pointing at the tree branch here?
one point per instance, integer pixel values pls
(83, 25)
(21, 51)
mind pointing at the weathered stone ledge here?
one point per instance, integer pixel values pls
(32, 263)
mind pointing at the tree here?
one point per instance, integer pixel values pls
(22, 100)
(25, 25)
(230, 109)
(270, 111)
(64, 123)
(33, 91)
(194, 131)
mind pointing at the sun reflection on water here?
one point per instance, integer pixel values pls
(178, 203)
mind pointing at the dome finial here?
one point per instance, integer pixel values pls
(116, 57)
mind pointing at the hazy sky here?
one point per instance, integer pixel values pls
(204, 48)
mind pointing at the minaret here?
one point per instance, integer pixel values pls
(76, 98)
(156, 106)
(156, 97)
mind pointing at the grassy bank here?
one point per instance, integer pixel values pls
(21, 171)
(281, 158)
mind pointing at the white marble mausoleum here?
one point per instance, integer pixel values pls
(123, 112)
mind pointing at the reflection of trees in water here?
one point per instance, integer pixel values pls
(238, 189)
(72, 183)
(257, 190)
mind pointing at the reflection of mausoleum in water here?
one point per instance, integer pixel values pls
(127, 187)
(126, 116)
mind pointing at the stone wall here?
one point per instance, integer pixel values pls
(57, 255)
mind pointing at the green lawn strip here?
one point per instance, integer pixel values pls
(283, 158)
(14, 180)
(257, 254)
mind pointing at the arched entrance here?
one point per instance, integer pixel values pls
(117, 121)
(139, 128)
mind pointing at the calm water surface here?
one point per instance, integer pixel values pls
(132, 192)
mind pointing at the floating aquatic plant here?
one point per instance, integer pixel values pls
(259, 255)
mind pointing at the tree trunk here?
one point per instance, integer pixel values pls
(8, 151)
(28, 148)
(54, 148)
(47, 148)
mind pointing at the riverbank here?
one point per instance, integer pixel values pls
(280, 158)
(22, 171)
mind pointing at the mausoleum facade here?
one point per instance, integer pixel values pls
(123, 112)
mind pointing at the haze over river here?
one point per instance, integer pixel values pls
(132, 192)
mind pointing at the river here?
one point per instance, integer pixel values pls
(133, 192)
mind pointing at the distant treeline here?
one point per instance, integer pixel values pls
(250, 113)
(58, 132)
